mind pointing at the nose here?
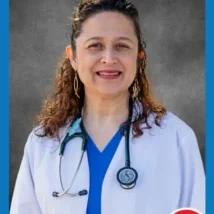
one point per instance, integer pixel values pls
(109, 57)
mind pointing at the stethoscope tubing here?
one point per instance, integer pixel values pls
(61, 153)
(74, 177)
(83, 135)
(127, 151)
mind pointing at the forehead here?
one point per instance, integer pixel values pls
(108, 25)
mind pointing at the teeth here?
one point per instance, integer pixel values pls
(108, 73)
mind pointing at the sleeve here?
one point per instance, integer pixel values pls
(24, 199)
(193, 176)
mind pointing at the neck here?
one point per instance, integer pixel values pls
(106, 110)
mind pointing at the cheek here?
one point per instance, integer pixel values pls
(131, 68)
(85, 61)
(85, 69)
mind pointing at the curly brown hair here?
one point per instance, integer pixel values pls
(63, 106)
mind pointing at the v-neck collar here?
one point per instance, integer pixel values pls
(111, 145)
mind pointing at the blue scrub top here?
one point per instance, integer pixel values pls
(98, 165)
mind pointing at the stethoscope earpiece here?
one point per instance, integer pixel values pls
(80, 193)
(127, 177)
(55, 194)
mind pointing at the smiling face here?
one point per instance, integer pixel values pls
(106, 54)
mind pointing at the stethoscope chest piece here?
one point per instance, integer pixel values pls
(127, 177)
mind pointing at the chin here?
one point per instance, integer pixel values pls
(111, 92)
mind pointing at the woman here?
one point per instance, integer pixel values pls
(102, 91)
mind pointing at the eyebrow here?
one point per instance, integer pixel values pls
(118, 38)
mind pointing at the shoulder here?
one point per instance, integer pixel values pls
(169, 123)
(176, 139)
(179, 126)
(173, 132)
(36, 145)
(172, 124)
(37, 149)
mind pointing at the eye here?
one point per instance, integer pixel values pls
(95, 46)
(122, 46)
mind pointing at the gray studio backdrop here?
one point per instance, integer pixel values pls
(173, 30)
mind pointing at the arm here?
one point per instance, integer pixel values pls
(24, 199)
(193, 177)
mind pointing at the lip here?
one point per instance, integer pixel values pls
(109, 71)
(108, 74)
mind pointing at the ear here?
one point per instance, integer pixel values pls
(71, 56)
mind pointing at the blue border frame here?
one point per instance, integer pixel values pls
(209, 107)
(4, 157)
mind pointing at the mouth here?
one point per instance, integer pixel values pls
(109, 74)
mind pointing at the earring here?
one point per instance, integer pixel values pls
(142, 56)
(135, 89)
(144, 62)
(76, 85)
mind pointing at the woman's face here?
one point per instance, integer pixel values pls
(106, 54)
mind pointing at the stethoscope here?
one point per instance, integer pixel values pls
(126, 176)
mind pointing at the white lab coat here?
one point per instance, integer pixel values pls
(167, 159)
